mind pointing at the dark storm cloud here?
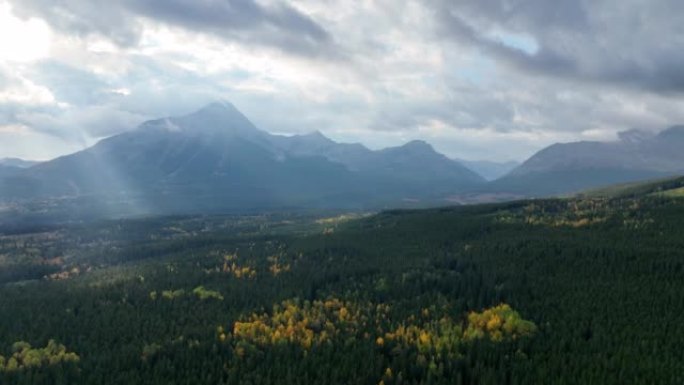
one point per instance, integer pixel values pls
(636, 44)
(279, 25)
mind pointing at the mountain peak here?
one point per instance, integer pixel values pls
(413, 148)
(418, 145)
(316, 134)
(219, 117)
(220, 108)
(316, 137)
(634, 136)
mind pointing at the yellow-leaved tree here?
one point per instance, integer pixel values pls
(498, 323)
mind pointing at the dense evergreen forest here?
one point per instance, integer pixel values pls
(573, 291)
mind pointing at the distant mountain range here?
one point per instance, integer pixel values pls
(572, 167)
(216, 160)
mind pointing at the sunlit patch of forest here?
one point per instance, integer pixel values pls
(564, 291)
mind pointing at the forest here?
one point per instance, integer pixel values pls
(584, 290)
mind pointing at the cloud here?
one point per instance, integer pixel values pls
(636, 44)
(83, 18)
(277, 25)
(22, 142)
(494, 79)
(82, 126)
(17, 90)
(70, 85)
(33, 42)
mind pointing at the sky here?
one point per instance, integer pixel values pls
(477, 79)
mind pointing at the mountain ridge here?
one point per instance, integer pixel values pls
(572, 167)
(215, 159)
(17, 162)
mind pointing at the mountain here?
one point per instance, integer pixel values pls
(13, 166)
(414, 164)
(572, 167)
(215, 159)
(354, 156)
(7, 171)
(18, 163)
(489, 170)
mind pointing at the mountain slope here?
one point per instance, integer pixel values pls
(216, 160)
(662, 187)
(572, 167)
(8, 171)
(414, 168)
(212, 159)
(489, 170)
(419, 164)
(13, 166)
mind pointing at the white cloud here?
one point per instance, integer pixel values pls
(21, 90)
(19, 141)
(14, 129)
(22, 40)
